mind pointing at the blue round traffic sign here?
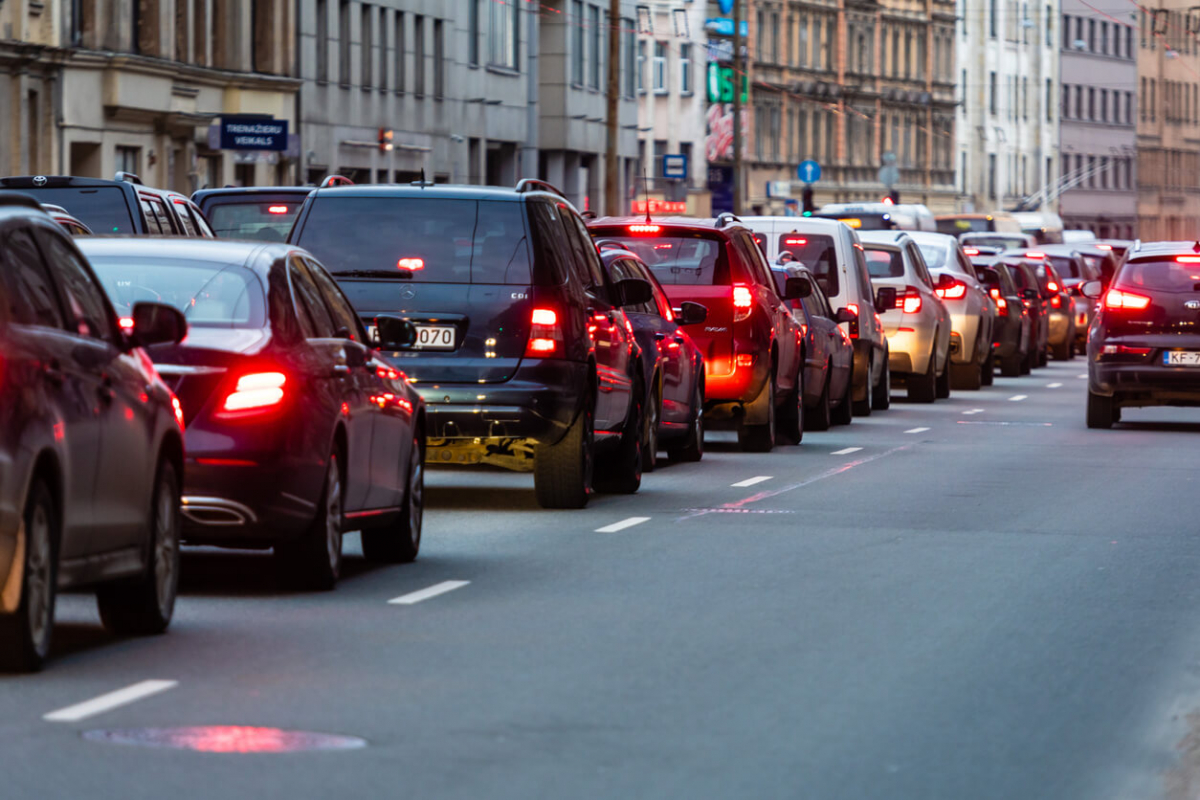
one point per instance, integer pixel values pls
(809, 171)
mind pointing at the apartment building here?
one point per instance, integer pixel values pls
(852, 84)
(1009, 112)
(1168, 121)
(471, 91)
(1099, 117)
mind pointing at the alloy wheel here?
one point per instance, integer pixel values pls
(38, 560)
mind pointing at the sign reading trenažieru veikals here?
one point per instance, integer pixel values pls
(241, 133)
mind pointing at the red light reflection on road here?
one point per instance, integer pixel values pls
(227, 739)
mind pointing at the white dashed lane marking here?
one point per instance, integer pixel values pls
(971, 411)
(1017, 398)
(425, 594)
(846, 451)
(1053, 385)
(107, 702)
(751, 481)
(916, 430)
(622, 525)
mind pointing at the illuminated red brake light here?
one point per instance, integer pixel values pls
(853, 309)
(970, 251)
(1002, 305)
(411, 264)
(645, 228)
(545, 335)
(795, 241)
(1056, 301)
(256, 391)
(995, 294)
(1104, 247)
(956, 291)
(1035, 255)
(743, 303)
(1188, 259)
(910, 301)
(277, 209)
(126, 323)
(1116, 299)
(1052, 286)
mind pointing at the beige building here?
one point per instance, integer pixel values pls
(846, 83)
(99, 86)
(1168, 123)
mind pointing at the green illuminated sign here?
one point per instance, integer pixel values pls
(720, 84)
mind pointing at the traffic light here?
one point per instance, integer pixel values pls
(806, 201)
(385, 139)
(894, 196)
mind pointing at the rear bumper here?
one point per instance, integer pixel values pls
(966, 327)
(909, 351)
(248, 506)
(1060, 327)
(1146, 383)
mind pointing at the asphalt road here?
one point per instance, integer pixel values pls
(982, 600)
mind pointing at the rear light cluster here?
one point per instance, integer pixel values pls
(1188, 259)
(255, 392)
(645, 228)
(910, 301)
(1128, 301)
(1056, 301)
(743, 303)
(853, 309)
(970, 251)
(411, 264)
(955, 291)
(1125, 350)
(545, 334)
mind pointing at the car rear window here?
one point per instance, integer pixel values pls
(863, 222)
(995, 240)
(258, 219)
(1160, 275)
(1067, 267)
(815, 251)
(101, 208)
(885, 263)
(934, 255)
(435, 240)
(210, 295)
(693, 259)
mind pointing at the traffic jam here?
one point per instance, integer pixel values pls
(272, 368)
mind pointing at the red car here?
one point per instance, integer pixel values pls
(750, 341)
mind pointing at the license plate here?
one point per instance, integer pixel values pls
(434, 337)
(1181, 358)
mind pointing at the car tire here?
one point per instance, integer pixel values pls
(881, 396)
(923, 388)
(621, 472)
(760, 438)
(821, 416)
(1043, 357)
(1012, 366)
(1101, 411)
(399, 544)
(144, 606)
(789, 429)
(1028, 362)
(863, 408)
(987, 372)
(562, 472)
(1064, 351)
(650, 423)
(314, 561)
(691, 446)
(942, 385)
(26, 634)
(843, 412)
(966, 377)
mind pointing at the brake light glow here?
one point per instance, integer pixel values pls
(1116, 299)
(256, 391)
(1002, 305)
(645, 228)
(995, 294)
(745, 360)
(970, 251)
(1188, 259)
(910, 301)
(545, 335)
(1056, 301)
(411, 264)
(1104, 247)
(795, 241)
(853, 222)
(853, 309)
(1052, 286)
(1124, 350)
(743, 303)
(178, 409)
(126, 323)
(957, 291)
(1032, 254)
(277, 209)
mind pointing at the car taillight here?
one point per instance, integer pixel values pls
(995, 293)
(955, 291)
(910, 301)
(743, 303)
(645, 228)
(178, 409)
(411, 264)
(793, 241)
(256, 391)
(970, 251)
(277, 209)
(1001, 305)
(126, 323)
(1035, 256)
(1056, 301)
(1188, 259)
(1118, 350)
(545, 334)
(1116, 299)
(1104, 247)
(853, 325)
(1052, 286)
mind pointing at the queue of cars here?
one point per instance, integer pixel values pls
(278, 388)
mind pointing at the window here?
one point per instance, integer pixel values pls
(641, 67)
(1104, 105)
(992, 93)
(1024, 97)
(401, 49)
(760, 31)
(1104, 38)
(577, 43)
(314, 317)
(802, 41)
(685, 69)
(992, 28)
(1091, 103)
(632, 81)
(1066, 29)
(504, 38)
(88, 313)
(367, 43)
(127, 159)
(992, 175)
(659, 68)
(344, 42)
(1049, 25)
(419, 55)
(773, 133)
(1091, 36)
(473, 32)
(322, 40)
(597, 46)
(1050, 100)
(775, 38)
(439, 59)
(30, 292)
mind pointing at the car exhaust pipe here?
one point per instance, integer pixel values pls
(216, 512)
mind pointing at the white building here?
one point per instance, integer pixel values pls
(1008, 119)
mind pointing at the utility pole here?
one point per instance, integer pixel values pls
(612, 189)
(739, 67)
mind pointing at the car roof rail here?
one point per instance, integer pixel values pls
(335, 180)
(128, 177)
(10, 198)
(534, 185)
(726, 218)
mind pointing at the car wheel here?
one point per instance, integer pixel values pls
(966, 377)
(145, 605)
(863, 408)
(1028, 362)
(760, 438)
(650, 433)
(314, 561)
(1101, 411)
(1062, 352)
(691, 447)
(25, 635)
(621, 472)
(987, 372)
(1043, 357)
(562, 472)
(843, 412)
(821, 417)
(942, 385)
(881, 398)
(400, 544)
(923, 388)
(790, 429)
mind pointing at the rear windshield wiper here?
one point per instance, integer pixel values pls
(375, 273)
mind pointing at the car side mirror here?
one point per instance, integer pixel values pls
(846, 315)
(885, 299)
(1091, 289)
(690, 313)
(1030, 294)
(394, 333)
(797, 288)
(633, 292)
(988, 276)
(156, 323)
(355, 356)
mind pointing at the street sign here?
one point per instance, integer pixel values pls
(720, 84)
(779, 189)
(262, 133)
(675, 166)
(889, 175)
(809, 171)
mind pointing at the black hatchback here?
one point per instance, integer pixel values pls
(523, 353)
(1144, 344)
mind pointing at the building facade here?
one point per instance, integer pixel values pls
(1098, 94)
(100, 86)
(472, 91)
(1009, 112)
(1168, 122)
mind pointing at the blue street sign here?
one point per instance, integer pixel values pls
(675, 166)
(809, 171)
(725, 5)
(253, 133)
